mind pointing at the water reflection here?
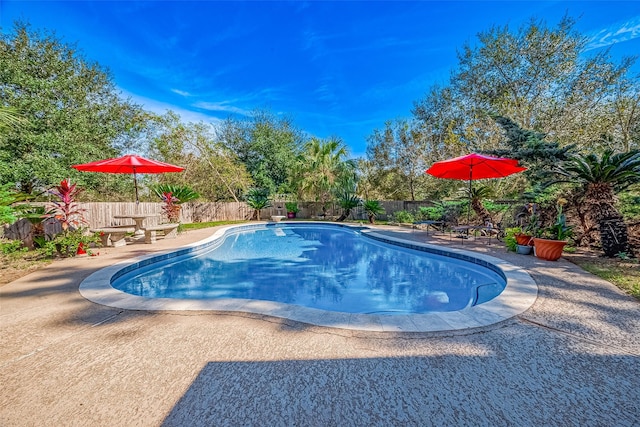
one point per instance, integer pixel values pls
(323, 267)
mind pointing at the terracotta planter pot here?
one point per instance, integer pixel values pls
(291, 215)
(524, 239)
(550, 250)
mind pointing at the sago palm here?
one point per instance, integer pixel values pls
(373, 208)
(476, 196)
(258, 198)
(601, 178)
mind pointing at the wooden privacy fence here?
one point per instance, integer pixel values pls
(101, 214)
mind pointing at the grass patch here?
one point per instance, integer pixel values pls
(623, 274)
(199, 225)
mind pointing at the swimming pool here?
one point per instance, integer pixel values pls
(518, 295)
(319, 266)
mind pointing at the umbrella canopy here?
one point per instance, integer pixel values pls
(474, 166)
(129, 164)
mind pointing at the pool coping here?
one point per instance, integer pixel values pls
(519, 294)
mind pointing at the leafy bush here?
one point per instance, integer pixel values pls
(510, 239)
(630, 206)
(430, 213)
(404, 217)
(66, 244)
(11, 246)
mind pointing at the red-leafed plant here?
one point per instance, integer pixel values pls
(66, 209)
(171, 208)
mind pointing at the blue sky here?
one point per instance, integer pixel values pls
(337, 68)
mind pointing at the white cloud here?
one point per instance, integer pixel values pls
(159, 107)
(223, 106)
(180, 92)
(617, 33)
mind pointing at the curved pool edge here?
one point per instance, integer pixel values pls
(519, 294)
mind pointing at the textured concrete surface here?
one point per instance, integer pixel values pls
(571, 359)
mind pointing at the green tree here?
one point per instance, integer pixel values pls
(73, 110)
(531, 148)
(541, 78)
(400, 153)
(266, 145)
(211, 169)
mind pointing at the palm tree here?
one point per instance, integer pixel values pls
(476, 196)
(258, 198)
(347, 201)
(373, 208)
(321, 168)
(601, 178)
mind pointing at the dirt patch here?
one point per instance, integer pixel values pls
(17, 265)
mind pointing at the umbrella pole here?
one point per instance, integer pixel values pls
(135, 184)
(469, 207)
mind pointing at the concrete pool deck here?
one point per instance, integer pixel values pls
(572, 358)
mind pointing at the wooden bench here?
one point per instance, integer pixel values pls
(113, 236)
(170, 232)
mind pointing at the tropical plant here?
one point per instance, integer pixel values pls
(476, 195)
(181, 193)
(321, 169)
(170, 208)
(258, 198)
(347, 200)
(600, 178)
(559, 230)
(372, 208)
(66, 209)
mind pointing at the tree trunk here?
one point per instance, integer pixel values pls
(613, 236)
(345, 214)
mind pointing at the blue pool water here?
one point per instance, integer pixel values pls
(319, 266)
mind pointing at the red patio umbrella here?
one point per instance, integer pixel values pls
(474, 166)
(129, 164)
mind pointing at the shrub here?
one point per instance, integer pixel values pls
(11, 246)
(510, 239)
(405, 217)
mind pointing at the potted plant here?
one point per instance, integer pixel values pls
(552, 240)
(292, 209)
(525, 236)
